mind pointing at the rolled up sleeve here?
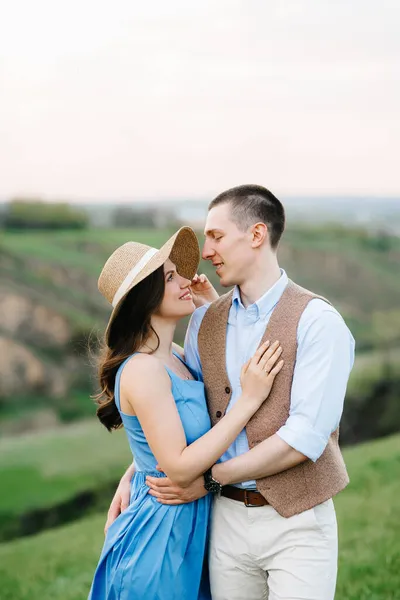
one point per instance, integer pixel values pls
(325, 357)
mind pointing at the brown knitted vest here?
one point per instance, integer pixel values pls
(309, 483)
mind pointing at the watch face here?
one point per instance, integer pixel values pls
(212, 486)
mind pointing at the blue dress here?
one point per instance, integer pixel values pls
(154, 551)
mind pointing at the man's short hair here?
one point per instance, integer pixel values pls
(252, 204)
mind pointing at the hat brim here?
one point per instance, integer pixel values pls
(182, 249)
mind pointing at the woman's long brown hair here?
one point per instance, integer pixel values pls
(130, 330)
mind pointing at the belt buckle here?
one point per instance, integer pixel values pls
(246, 502)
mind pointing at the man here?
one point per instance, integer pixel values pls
(273, 530)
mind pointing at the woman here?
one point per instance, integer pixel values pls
(154, 551)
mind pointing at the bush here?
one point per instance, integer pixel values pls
(35, 214)
(372, 408)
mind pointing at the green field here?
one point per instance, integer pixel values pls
(346, 265)
(60, 269)
(59, 564)
(41, 470)
(57, 271)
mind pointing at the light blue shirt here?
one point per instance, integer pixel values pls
(325, 357)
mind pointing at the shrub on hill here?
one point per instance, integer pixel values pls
(35, 214)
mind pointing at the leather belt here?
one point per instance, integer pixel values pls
(249, 497)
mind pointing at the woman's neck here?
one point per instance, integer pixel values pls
(161, 346)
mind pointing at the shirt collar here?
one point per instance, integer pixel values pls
(263, 306)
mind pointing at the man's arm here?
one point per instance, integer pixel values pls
(192, 356)
(323, 364)
(324, 361)
(271, 456)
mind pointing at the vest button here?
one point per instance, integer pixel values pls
(218, 414)
(228, 390)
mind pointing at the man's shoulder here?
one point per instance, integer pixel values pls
(302, 292)
(321, 319)
(317, 306)
(320, 308)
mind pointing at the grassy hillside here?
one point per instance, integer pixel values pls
(52, 276)
(41, 470)
(59, 564)
(346, 265)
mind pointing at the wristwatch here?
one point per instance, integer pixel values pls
(211, 484)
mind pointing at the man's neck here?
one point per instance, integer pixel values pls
(259, 284)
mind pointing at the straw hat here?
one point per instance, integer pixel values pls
(129, 264)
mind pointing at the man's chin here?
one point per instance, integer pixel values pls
(225, 282)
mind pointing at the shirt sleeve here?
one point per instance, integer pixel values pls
(191, 348)
(325, 357)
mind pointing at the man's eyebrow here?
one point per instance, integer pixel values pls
(211, 231)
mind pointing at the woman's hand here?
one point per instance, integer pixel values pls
(258, 374)
(202, 290)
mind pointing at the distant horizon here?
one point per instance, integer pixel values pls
(203, 198)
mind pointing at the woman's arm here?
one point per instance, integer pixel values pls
(147, 388)
(269, 457)
(121, 497)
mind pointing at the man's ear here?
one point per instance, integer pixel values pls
(259, 234)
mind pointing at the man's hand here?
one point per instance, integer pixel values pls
(167, 492)
(121, 498)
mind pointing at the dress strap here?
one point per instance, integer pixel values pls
(179, 356)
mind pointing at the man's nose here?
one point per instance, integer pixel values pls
(207, 252)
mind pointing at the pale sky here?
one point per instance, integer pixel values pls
(105, 99)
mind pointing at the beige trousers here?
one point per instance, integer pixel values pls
(255, 554)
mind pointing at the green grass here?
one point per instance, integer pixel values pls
(56, 465)
(40, 470)
(369, 522)
(59, 564)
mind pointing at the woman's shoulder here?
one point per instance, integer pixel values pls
(141, 361)
(143, 369)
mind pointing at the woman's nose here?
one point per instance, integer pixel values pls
(185, 282)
